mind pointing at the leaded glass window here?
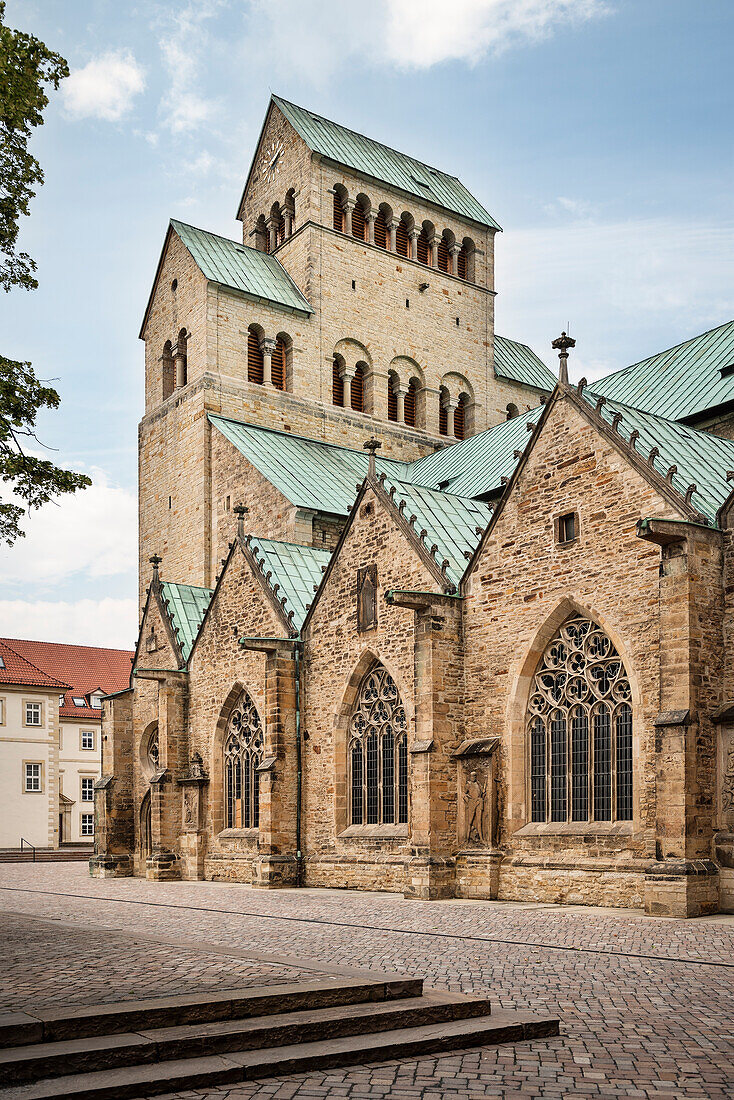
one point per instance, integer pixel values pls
(378, 753)
(243, 748)
(579, 729)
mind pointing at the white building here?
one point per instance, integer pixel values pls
(50, 731)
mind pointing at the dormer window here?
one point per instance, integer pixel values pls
(95, 702)
(79, 701)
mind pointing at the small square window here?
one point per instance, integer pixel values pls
(87, 739)
(95, 702)
(567, 527)
(32, 777)
(33, 714)
(87, 824)
(87, 789)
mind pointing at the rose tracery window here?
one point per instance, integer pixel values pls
(243, 746)
(378, 753)
(579, 728)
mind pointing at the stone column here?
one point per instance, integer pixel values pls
(349, 206)
(272, 227)
(347, 375)
(371, 218)
(454, 251)
(438, 660)
(400, 394)
(179, 359)
(682, 881)
(392, 228)
(288, 218)
(267, 347)
(450, 407)
(277, 863)
(414, 234)
(433, 252)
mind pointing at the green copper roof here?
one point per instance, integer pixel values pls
(682, 383)
(519, 363)
(450, 522)
(297, 570)
(246, 269)
(700, 458)
(186, 604)
(477, 465)
(309, 474)
(379, 161)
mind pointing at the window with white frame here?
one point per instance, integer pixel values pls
(2, 712)
(87, 824)
(33, 714)
(33, 776)
(95, 702)
(61, 700)
(87, 789)
(87, 739)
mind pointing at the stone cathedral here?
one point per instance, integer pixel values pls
(416, 614)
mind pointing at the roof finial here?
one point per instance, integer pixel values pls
(155, 561)
(372, 445)
(240, 511)
(562, 344)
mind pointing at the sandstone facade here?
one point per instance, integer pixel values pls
(520, 690)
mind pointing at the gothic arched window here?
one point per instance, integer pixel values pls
(378, 753)
(579, 728)
(243, 746)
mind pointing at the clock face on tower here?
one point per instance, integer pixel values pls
(271, 160)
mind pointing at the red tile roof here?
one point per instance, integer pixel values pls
(80, 669)
(17, 670)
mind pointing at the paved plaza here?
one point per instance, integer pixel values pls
(646, 1005)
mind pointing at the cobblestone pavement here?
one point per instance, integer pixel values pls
(646, 1006)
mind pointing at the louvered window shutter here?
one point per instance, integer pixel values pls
(338, 214)
(380, 230)
(423, 248)
(281, 230)
(459, 421)
(358, 391)
(358, 222)
(254, 359)
(337, 386)
(409, 405)
(443, 420)
(461, 265)
(443, 255)
(392, 402)
(277, 365)
(401, 240)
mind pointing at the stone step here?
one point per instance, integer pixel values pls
(46, 855)
(76, 1056)
(191, 1073)
(46, 1025)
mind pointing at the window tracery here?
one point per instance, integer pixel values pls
(378, 753)
(243, 748)
(579, 729)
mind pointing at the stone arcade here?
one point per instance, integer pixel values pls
(495, 669)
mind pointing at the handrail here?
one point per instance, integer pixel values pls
(31, 846)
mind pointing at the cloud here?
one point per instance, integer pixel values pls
(325, 35)
(183, 44)
(103, 88)
(92, 532)
(106, 622)
(628, 289)
(466, 30)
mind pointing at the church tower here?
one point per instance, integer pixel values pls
(359, 303)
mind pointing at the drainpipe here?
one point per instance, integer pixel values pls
(299, 765)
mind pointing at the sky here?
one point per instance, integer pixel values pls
(597, 132)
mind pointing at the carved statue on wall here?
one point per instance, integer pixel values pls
(727, 781)
(474, 799)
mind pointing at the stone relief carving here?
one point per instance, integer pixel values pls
(475, 794)
(726, 776)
